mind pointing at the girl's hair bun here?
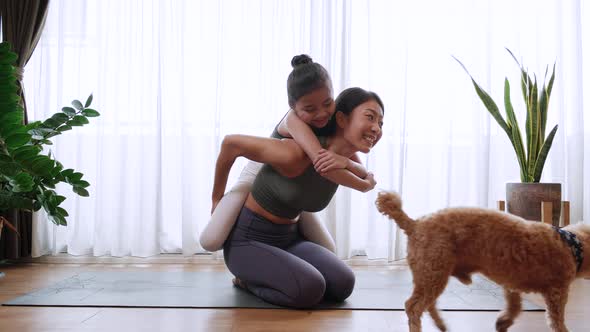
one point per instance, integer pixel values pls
(301, 59)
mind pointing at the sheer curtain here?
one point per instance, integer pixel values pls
(171, 78)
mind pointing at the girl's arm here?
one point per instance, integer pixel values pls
(329, 160)
(302, 134)
(354, 178)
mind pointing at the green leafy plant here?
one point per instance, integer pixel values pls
(28, 176)
(532, 159)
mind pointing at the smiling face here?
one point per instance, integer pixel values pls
(362, 128)
(316, 108)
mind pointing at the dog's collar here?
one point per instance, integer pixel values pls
(575, 245)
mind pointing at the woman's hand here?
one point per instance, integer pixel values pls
(370, 179)
(328, 160)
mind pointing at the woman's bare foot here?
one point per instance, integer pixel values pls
(239, 283)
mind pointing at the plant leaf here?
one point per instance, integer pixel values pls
(62, 211)
(17, 140)
(67, 172)
(515, 136)
(540, 163)
(74, 123)
(82, 184)
(59, 199)
(89, 112)
(74, 177)
(63, 128)
(12, 201)
(533, 115)
(43, 166)
(487, 101)
(550, 85)
(60, 117)
(25, 152)
(80, 119)
(10, 118)
(81, 191)
(88, 101)
(16, 129)
(77, 105)
(513, 57)
(548, 98)
(69, 111)
(542, 115)
(51, 123)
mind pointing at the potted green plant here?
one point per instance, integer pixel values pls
(28, 176)
(524, 198)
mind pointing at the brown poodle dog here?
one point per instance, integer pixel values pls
(519, 255)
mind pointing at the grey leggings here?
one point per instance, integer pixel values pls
(279, 266)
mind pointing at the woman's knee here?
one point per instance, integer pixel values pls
(342, 286)
(312, 288)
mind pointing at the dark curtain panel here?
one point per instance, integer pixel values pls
(22, 23)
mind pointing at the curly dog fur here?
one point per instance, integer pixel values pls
(519, 255)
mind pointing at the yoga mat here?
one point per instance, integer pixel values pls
(374, 290)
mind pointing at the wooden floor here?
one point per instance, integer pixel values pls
(26, 277)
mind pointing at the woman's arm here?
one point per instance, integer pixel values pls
(329, 160)
(354, 178)
(346, 178)
(356, 167)
(283, 155)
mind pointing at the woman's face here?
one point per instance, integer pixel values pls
(364, 125)
(316, 108)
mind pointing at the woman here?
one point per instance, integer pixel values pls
(264, 250)
(311, 103)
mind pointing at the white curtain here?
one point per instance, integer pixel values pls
(171, 78)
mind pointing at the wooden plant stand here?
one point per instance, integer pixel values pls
(546, 212)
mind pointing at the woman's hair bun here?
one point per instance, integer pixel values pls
(301, 59)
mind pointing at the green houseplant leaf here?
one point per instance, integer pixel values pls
(27, 175)
(531, 159)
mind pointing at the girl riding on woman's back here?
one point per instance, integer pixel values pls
(311, 100)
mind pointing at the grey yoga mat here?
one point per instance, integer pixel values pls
(374, 290)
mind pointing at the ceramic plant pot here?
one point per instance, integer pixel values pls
(524, 200)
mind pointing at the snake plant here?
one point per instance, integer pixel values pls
(531, 158)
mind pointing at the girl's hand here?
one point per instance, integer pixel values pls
(328, 160)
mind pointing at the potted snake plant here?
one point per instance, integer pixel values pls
(524, 198)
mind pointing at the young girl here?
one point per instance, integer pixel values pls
(310, 97)
(265, 250)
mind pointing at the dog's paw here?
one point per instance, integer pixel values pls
(503, 323)
(388, 201)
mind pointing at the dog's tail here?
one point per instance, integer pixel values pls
(390, 204)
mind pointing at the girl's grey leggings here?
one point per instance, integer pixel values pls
(281, 267)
